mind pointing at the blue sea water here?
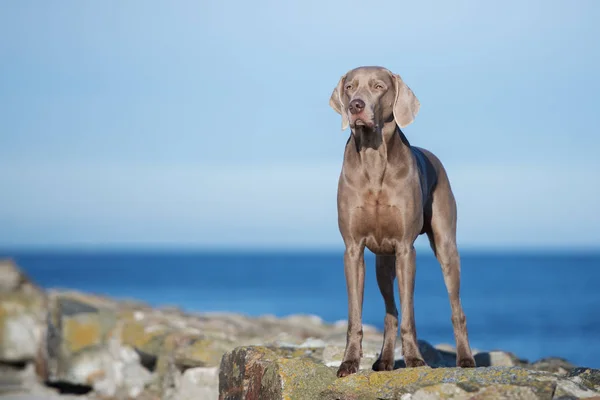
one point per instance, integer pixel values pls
(535, 305)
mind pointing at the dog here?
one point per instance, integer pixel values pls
(389, 193)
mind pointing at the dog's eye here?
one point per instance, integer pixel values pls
(379, 86)
(348, 87)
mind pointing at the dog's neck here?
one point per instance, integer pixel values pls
(373, 151)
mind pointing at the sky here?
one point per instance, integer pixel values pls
(207, 125)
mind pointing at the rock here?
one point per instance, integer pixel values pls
(85, 348)
(98, 348)
(295, 378)
(171, 348)
(303, 320)
(197, 383)
(135, 376)
(439, 391)
(275, 373)
(16, 377)
(433, 356)
(312, 343)
(508, 392)
(155, 335)
(200, 352)
(333, 354)
(125, 377)
(452, 391)
(20, 381)
(11, 277)
(588, 377)
(447, 347)
(573, 388)
(241, 372)
(23, 316)
(22, 326)
(497, 359)
(146, 335)
(552, 364)
(41, 396)
(394, 384)
(79, 332)
(271, 373)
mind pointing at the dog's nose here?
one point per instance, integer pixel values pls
(356, 106)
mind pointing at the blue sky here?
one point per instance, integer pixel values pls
(206, 124)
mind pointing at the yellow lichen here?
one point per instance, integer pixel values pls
(81, 334)
(202, 352)
(136, 335)
(381, 384)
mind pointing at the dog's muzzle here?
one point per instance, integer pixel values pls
(358, 115)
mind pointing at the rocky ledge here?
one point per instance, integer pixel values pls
(62, 344)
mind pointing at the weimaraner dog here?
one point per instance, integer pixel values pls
(389, 193)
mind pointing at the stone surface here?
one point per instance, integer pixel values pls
(553, 364)
(496, 359)
(272, 373)
(440, 390)
(11, 277)
(22, 316)
(66, 344)
(79, 332)
(394, 384)
(16, 377)
(452, 391)
(281, 373)
(588, 377)
(197, 383)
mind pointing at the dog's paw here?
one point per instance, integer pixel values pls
(467, 362)
(348, 367)
(383, 365)
(413, 362)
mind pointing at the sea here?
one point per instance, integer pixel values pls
(534, 304)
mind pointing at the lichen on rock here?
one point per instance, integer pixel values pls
(22, 316)
(108, 349)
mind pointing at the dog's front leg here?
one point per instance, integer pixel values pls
(354, 269)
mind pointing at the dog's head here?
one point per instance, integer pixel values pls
(370, 96)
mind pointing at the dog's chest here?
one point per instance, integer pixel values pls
(378, 219)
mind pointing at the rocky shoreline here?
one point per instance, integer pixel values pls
(61, 344)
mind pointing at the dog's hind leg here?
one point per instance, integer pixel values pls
(442, 237)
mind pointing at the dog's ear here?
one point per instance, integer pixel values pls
(336, 102)
(406, 105)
